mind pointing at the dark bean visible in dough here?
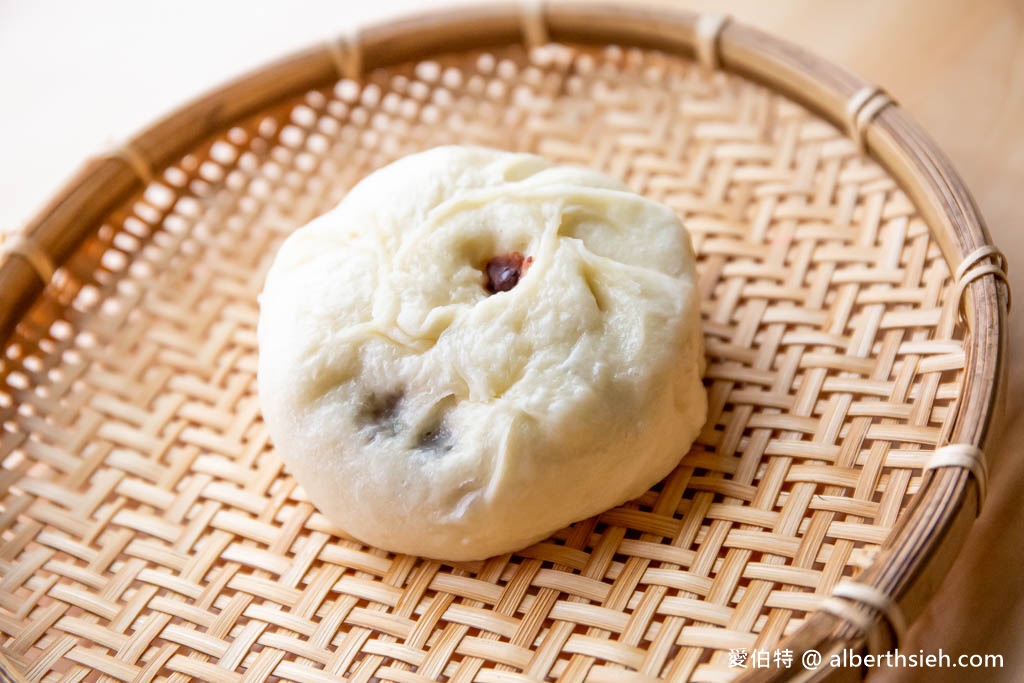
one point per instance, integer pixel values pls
(503, 272)
(437, 438)
(381, 418)
(380, 414)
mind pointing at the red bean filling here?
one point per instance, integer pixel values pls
(503, 272)
(379, 414)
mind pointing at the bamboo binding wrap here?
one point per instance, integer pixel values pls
(570, 593)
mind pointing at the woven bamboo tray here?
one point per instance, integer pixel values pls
(853, 327)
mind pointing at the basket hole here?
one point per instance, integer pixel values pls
(267, 127)
(238, 136)
(371, 95)
(347, 91)
(211, 171)
(292, 136)
(485, 63)
(223, 153)
(303, 116)
(428, 71)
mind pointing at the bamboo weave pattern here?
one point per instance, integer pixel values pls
(150, 533)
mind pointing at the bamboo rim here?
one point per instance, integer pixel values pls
(921, 548)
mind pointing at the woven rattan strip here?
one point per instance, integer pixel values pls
(150, 533)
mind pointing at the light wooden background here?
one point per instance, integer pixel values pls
(74, 77)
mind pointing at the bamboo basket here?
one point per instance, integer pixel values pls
(855, 325)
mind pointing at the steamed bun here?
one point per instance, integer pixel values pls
(476, 348)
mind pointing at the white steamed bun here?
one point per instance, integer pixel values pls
(476, 348)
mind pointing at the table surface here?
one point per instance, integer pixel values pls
(78, 76)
